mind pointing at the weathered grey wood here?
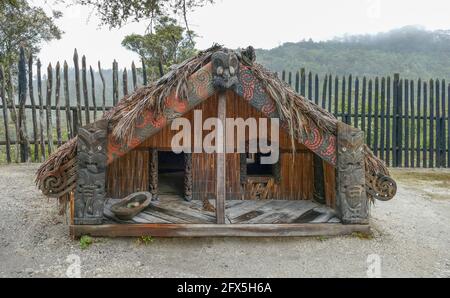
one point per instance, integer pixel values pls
(115, 80)
(58, 104)
(33, 107)
(24, 142)
(319, 179)
(282, 211)
(210, 230)
(85, 90)
(134, 75)
(351, 199)
(188, 179)
(153, 173)
(5, 113)
(104, 87)
(220, 163)
(41, 111)
(140, 218)
(13, 112)
(144, 73)
(246, 206)
(94, 103)
(125, 82)
(178, 211)
(77, 86)
(90, 189)
(67, 102)
(48, 110)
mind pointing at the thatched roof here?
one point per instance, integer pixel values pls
(294, 110)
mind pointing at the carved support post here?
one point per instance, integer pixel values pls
(243, 168)
(91, 161)
(220, 163)
(351, 199)
(319, 180)
(153, 173)
(188, 177)
(225, 67)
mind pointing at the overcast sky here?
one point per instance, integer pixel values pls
(238, 23)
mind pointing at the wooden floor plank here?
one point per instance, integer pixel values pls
(173, 209)
(245, 207)
(282, 211)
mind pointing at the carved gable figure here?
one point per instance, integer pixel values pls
(225, 66)
(91, 158)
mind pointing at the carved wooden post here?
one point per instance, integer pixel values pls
(220, 163)
(153, 173)
(319, 180)
(188, 177)
(351, 199)
(91, 161)
(225, 67)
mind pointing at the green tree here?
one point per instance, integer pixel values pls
(168, 44)
(24, 25)
(116, 13)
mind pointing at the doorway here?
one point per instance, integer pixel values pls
(171, 173)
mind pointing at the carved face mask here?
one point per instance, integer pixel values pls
(225, 69)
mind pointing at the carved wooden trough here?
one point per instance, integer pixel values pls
(322, 183)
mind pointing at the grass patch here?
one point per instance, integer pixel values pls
(321, 238)
(145, 240)
(362, 236)
(85, 241)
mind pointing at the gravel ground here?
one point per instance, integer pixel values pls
(411, 238)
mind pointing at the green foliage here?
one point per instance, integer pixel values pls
(363, 236)
(167, 45)
(24, 25)
(85, 241)
(116, 13)
(411, 51)
(145, 240)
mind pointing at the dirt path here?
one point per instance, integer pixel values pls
(411, 238)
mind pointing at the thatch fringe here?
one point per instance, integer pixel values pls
(64, 154)
(124, 116)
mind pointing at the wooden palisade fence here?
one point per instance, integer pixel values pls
(406, 121)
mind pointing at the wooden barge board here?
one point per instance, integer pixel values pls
(172, 209)
(219, 230)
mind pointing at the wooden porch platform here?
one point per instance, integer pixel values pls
(170, 209)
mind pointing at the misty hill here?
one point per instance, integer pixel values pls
(411, 51)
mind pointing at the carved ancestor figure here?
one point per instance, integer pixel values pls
(352, 200)
(225, 69)
(91, 159)
(188, 177)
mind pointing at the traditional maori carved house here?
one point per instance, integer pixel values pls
(322, 184)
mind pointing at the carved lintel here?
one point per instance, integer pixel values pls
(225, 69)
(188, 177)
(91, 173)
(153, 173)
(351, 199)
